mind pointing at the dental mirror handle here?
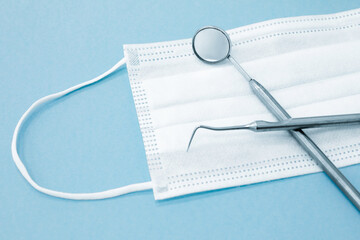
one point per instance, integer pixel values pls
(307, 122)
(312, 149)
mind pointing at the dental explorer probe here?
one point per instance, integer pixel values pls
(288, 124)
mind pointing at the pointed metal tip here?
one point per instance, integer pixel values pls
(251, 126)
(192, 137)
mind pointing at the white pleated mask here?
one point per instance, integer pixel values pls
(310, 64)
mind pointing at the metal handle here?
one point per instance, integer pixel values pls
(312, 149)
(308, 122)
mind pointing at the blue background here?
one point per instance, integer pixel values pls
(90, 141)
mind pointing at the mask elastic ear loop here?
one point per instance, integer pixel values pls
(76, 196)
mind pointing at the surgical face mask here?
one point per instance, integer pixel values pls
(310, 64)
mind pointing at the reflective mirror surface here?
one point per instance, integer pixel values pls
(211, 44)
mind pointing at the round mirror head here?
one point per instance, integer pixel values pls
(211, 44)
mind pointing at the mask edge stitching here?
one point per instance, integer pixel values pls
(257, 39)
(308, 159)
(279, 21)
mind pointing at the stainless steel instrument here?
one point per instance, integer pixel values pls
(288, 124)
(213, 45)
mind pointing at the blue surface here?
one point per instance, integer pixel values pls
(90, 141)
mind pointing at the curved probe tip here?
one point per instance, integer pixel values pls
(192, 137)
(238, 127)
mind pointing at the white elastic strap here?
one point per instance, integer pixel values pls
(76, 196)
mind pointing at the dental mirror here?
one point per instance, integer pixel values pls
(213, 45)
